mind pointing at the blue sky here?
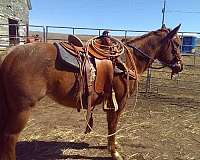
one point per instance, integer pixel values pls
(116, 14)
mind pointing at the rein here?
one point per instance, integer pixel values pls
(147, 58)
(142, 54)
(158, 67)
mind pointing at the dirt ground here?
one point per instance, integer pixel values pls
(161, 127)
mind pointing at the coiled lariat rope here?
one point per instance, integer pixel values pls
(121, 51)
(113, 51)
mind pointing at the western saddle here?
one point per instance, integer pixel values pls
(97, 62)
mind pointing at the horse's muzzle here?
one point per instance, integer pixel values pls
(176, 68)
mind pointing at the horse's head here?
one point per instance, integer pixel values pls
(170, 54)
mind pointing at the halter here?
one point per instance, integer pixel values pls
(177, 59)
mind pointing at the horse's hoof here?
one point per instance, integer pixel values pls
(87, 130)
(117, 145)
(116, 156)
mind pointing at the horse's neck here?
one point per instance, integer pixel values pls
(147, 46)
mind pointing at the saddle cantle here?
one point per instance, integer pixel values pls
(75, 41)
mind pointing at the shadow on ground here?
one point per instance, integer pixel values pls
(40, 150)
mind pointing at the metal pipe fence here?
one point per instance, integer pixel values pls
(152, 81)
(14, 34)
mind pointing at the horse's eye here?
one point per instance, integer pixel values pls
(176, 44)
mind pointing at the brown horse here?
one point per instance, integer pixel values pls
(29, 73)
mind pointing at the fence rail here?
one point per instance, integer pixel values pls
(152, 81)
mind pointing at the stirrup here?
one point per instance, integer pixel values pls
(105, 102)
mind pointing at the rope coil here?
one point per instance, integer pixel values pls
(107, 51)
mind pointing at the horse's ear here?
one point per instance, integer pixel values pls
(173, 32)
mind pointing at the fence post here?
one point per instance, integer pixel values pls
(181, 42)
(194, 58)
(46, 37)
(125, 36)
(148, 81)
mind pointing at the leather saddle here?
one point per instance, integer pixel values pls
(70, 54)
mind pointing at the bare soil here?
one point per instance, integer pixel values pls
(164, 124)
(160, 127)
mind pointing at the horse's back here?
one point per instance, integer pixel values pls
(29, 56)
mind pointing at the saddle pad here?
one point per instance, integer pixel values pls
(66, 60)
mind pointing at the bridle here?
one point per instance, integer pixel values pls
(176, 60)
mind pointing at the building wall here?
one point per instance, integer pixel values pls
(13, 9)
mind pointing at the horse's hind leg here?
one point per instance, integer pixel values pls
(15, 124)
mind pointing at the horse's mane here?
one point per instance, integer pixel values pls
(138, 38)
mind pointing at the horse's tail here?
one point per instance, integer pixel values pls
(3, 108)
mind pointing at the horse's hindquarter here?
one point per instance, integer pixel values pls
(23, 74)
(29, 73)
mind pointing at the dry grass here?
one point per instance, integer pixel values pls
(165, 125)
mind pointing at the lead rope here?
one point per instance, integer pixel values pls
(137, 77)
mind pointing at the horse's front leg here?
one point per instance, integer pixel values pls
(112, 118)
(121, 95)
